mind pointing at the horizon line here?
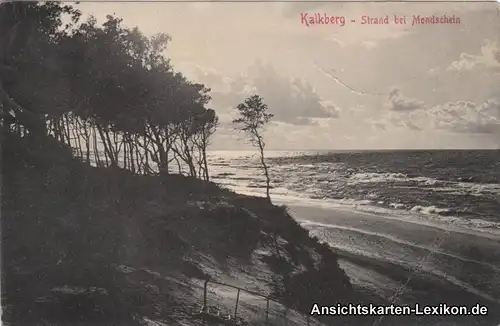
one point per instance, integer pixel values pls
(270, 1)
(362, 150)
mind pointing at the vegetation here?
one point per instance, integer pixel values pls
(253, 116)
(89, 115)
(106, 87)
(67, 225)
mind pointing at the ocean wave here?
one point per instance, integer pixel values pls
(365, 177)
(429, 209)
(429, 215)
(438, 198)
(377, 177)
(480, 187)
(312, 224)
(411, 263)
(285, 196)
(444, 185)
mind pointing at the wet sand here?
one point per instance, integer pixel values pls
(406, 262)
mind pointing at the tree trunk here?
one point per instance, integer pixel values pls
(97, 156)
(204, 156)
(264, 166)
(106, 142)
(86, 136)
(132, 158)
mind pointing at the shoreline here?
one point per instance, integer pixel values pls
(325, 205)
(423, 220)
(478, 254)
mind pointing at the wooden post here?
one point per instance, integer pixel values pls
(237, 301)
(267, 312)
(205, 297)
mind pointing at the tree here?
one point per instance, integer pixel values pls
(107, 91)
(253, 116)
(28, 34)
(206, 125)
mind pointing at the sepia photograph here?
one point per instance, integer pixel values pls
(259, 163)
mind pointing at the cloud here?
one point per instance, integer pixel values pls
(226, 118)
(408, 122)
(460, 117)
(401, 103)
(292, 101)
(331, 109)
(435, 71)
(468, 117)
(208, 76)
(379, 125)
(488, 60)
(412, 126)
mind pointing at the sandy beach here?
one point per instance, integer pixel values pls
(407, 262)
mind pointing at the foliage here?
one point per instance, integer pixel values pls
(253, 116)
(106, 91)
(107, 95)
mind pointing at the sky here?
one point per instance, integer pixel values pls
(357, 86)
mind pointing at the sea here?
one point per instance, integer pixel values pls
(453, 187)
(433, 213)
